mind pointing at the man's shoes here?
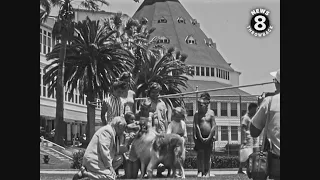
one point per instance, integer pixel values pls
(199, 175)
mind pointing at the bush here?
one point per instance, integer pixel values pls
(77, 159)
(216, 162)
(232, 148)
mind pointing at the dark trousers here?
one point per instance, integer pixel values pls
(274, 167)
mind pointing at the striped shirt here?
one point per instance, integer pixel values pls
(114, 107)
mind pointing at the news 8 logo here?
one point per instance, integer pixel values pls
(260, 22)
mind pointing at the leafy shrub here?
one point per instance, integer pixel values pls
(232, 148)
(216, 162)
(77, 159)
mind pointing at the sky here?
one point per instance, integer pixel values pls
(225, 21)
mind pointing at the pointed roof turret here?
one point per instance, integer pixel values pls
(183, 31)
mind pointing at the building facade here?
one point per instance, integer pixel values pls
(175, 27)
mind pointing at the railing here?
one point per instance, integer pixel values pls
(47, 141)
(43, 141)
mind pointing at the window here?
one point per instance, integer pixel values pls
(162, 20)
(44, 42)
(217, 74)
(234, 133)
(207, 71)
(243, 109)
(44, 88)
(212, 72)
(181, 20)
(224, 133)
(40, 40)
(190, 40)
(214, 107)
(234, 109)
(193, 21)
(224, 109)
(192, 71)
(197, 71)
(224, 74)
(40, 81)
(228, 75)
(144, 20)
(190, 134)
(189, 108)
(202, 71)
(49, 42)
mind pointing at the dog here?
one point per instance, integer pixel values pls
(167, 149)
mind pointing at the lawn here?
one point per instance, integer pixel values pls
(217, 177)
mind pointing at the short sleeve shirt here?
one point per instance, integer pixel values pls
(114, 107)
(273, 125)
(250, 141)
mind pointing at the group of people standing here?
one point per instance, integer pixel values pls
(111, 144)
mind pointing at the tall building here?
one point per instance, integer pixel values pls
(175, 27)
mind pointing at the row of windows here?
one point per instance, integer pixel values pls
(179, 19)
(223, 109)
(224, 134)
(74, 98)
(223, 74)
(210, 72)
(46, 41)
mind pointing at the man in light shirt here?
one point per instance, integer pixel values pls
(269, 119)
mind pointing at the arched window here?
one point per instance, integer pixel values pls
(181, 20)
(162, 20)
(193, 21)
(163, 39)
(144, 20)
(190, 40)
(209, 43)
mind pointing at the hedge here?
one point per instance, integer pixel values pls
(190, 162)
(216, 162)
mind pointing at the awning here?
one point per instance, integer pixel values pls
(69, 115)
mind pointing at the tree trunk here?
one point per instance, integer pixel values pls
(91, 116)
(60, 125)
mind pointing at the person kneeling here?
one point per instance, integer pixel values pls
(104, 152)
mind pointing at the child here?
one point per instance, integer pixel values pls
(178, 126)
(131, 168)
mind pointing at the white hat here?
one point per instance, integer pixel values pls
(276, 74)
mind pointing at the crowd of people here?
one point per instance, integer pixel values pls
(110, 146)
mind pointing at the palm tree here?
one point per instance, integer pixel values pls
(134, 36)
(152, 62)
(63, 30)
(93, 60)
(169, 71)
